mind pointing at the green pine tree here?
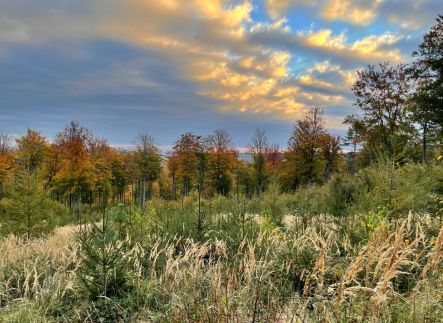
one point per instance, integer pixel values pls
(30, 210)
(102, 273)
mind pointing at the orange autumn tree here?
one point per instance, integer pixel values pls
(172, 165)
(6, 162)
(102, 157)
(188, 151)
(273, 158)
(75, 171)
(312, 155)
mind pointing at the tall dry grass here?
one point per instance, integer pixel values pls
(31, 270)
(309, 270)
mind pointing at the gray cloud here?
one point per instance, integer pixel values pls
(121, 66)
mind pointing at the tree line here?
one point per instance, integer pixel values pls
(78, 166)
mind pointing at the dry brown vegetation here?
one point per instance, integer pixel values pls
(296, 273)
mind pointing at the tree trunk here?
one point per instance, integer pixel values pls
(174, 188)
(185, 186)
(150, 189)
(132, 191)
(143, 194)
(139, 192)
(238, 180)
(79, 207)
(90, 200)
(327, 172)
(354, 159)
(425, 130)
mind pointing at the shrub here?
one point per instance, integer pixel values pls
(102, 272)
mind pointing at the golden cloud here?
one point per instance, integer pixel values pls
(209, 42)
(370, 48)
(358, 12)
(353, 11)
(276, 8)
(343, 79)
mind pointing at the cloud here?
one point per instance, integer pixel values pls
(358, 12)
(411, 14)
(328, 78)
(216, 56)
(407, 14)
(277, 8)
(324, 44)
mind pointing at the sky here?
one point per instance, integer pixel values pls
(121, 67)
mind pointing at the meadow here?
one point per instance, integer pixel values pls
(364, 247)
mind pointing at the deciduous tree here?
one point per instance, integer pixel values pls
(304, 147)
(382, 93)
(189, 152)
(5, 159)
(257, 149)
(221, 161)
(330, 149)
(120, 175)
(101, 156)
(148, 159)
(173, 168)
(75, 168)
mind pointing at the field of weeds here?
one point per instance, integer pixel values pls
(320, 269)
